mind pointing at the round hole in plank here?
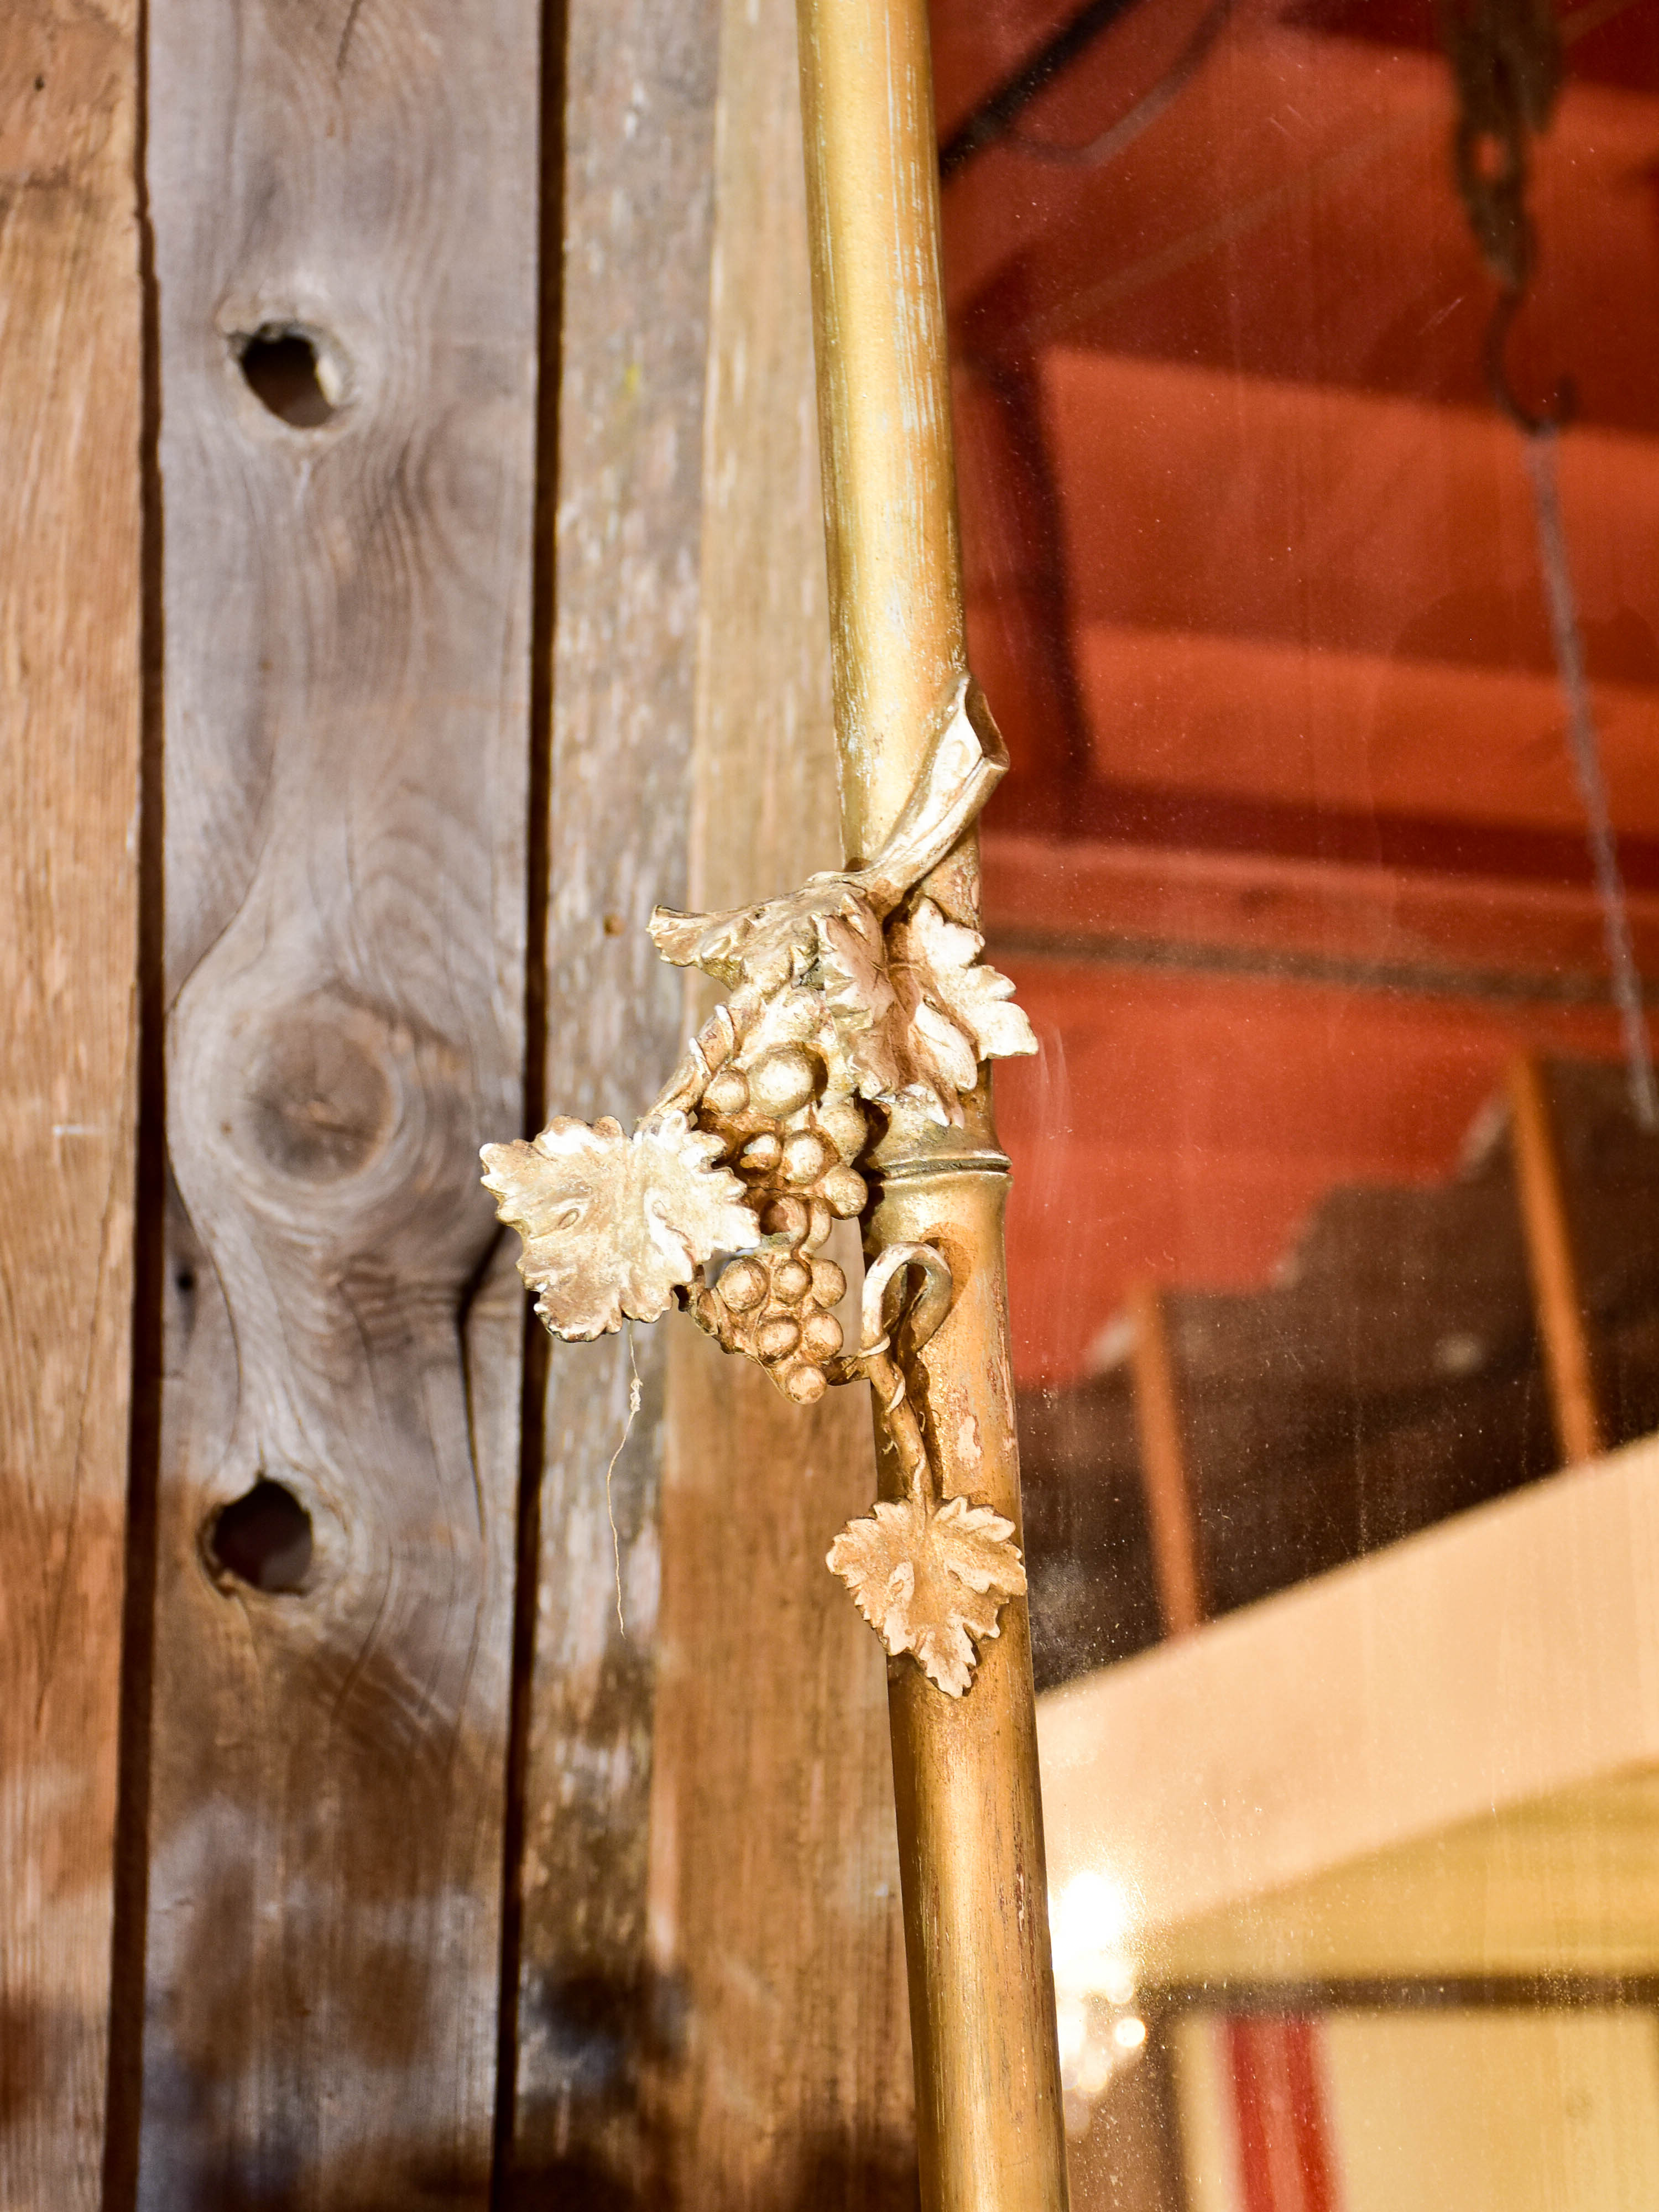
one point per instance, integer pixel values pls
(263, 1539)
(286, 372)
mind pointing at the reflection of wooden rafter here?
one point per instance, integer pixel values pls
(1403, 931)
(1553, 1263)
(1165, 1478)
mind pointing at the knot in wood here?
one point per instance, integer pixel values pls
(321, 1100)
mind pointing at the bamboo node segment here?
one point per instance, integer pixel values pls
(853, 1001)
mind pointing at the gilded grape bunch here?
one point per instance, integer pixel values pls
(855, 1004)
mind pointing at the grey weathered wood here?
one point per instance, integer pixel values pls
(347, 672)
(774, 1893)
(638, 124)
(69, 404)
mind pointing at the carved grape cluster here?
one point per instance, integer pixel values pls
(785, 1136)
(792, 1142)
(775, 1304)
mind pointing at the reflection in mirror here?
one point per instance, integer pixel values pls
(1329, 869)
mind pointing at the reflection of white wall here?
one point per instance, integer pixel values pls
(1529, 1630)
(1462, 2112)
(1495, 2111)
(1204, 2109)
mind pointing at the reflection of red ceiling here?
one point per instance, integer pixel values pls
(1611, 44)
(1292, 857)
(1292, 214)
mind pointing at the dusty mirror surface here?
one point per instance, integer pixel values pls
(1309, 491)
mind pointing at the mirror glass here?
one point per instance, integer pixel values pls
(1306, 386)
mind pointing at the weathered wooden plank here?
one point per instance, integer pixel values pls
(638, 124)
(776, 1935)
(775, 1921)
(347, 545)
(70, 532)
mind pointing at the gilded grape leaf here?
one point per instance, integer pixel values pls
(869, 1032)
(767, 946)
(931, 1582)
(963, 1011)
(615, 1224)
(904, 1019)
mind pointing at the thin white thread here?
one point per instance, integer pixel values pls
(1627, 992)
(634, 1394)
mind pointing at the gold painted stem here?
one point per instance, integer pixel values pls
(988, 2110)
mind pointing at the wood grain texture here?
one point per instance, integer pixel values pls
(774, 1895)
(347, 669)
(639, 118)
(69, 410)
(776, 1922)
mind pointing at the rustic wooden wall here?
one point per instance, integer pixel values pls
(775, 1926)
(348, 653)
(750, 2048)
(633, 243)
(71, 336)
(391, 461)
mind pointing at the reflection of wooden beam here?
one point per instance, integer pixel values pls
(1556, 1292)
(1021, 646)
(1009, 218)
(1164, 1472)
(1263, 720)
(1279, 444)
(1435, 934)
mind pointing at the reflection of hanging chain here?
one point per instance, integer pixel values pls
(1506, 57)
(1540, 451)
